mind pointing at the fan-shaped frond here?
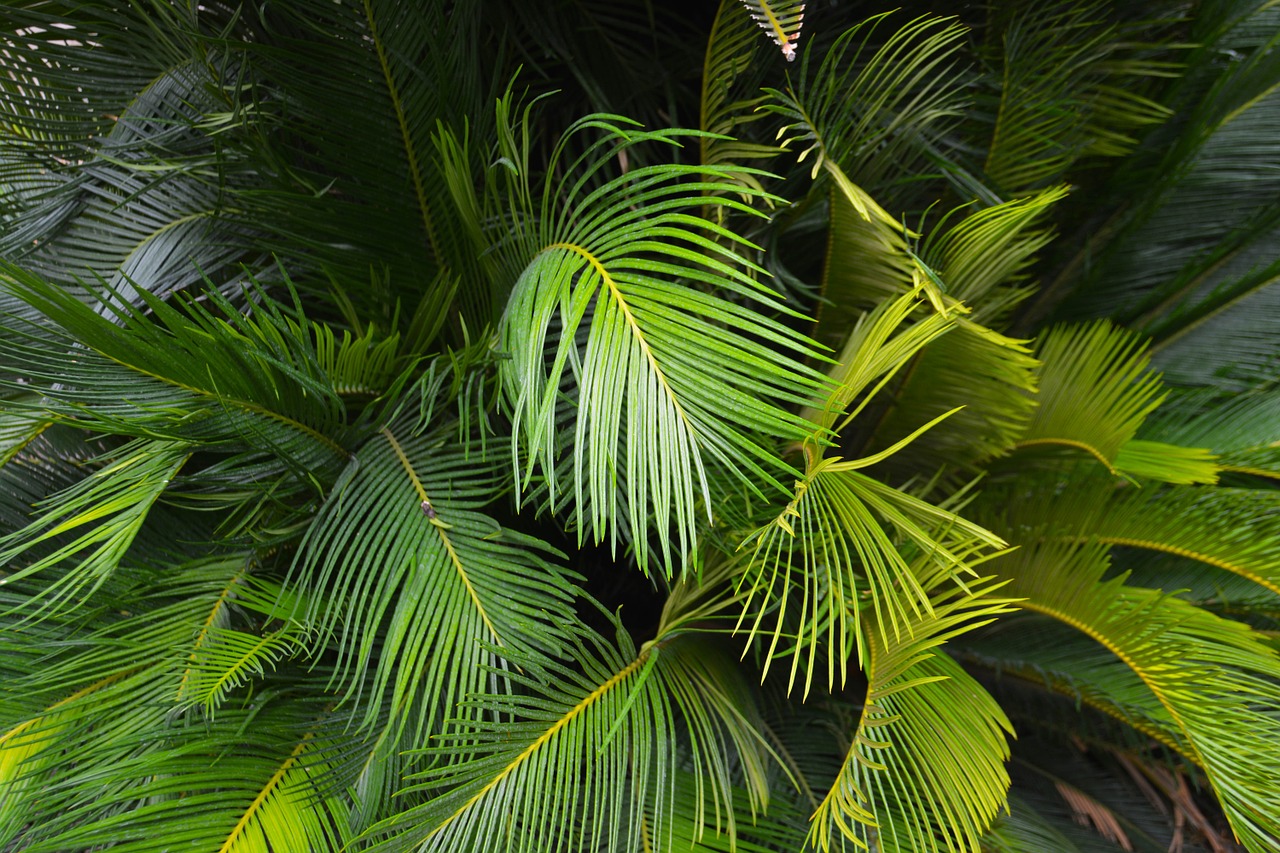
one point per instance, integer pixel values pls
(584, 759)
(905, 784)
(1094, 391)
(670, 379)
(1215, 677)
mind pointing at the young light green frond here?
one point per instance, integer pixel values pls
(843, 547)
(1216, 678)
(781, 20)
(90, 526)
(618, 309)
(992, 247)
(906, 785)
(991, 375)
(585, 759)
(412, 587)
(1095, 391)
(1169, 463)
(873, 353)
(19, 426)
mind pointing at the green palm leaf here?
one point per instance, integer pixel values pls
(585, 758)
(412, 586)
(1215, 677)
(610, 305)
(905, 786)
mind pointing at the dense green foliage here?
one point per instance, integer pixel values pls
(573, 426)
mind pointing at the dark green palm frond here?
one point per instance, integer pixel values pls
(861, 116)
(1205, 670)
(583, 759)
(337, 198)
(1207, 295)
(1065, 81)
(253, 378)
(1034, 650)
(628, 262)
(94, 522)
(904, 786)
(1243, 431)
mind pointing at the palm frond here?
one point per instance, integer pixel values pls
(1066, 89)
(596, 744)
(1094, 391)
(903, 786)
(1205, 670)
(628, 265)
(400, 566)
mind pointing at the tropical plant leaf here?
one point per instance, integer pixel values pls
(1204, 669)
(611, 728)
(1094, 391)
(904, 786)
(626, 264)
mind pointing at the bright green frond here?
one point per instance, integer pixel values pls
(906, 784)
(584, 760)
(840, 553)
(618, 308)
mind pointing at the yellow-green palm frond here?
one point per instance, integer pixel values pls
(1215, 677)
(906, 784)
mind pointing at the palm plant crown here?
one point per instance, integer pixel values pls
(608, 426)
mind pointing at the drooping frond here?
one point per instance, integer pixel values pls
(781, 20)
(412, 587)
(906, 785)
(1215, 677)
(584, 760)
(615, 306)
